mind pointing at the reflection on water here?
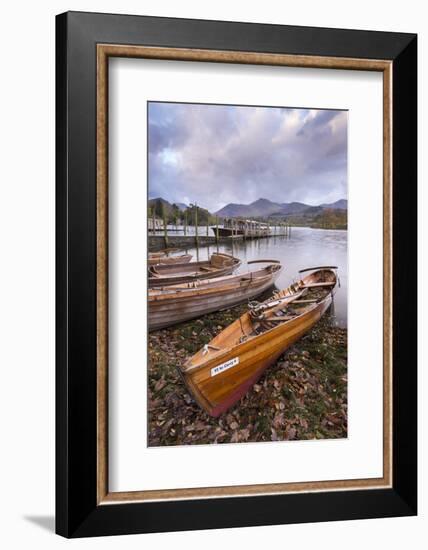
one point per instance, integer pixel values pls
(305, 247)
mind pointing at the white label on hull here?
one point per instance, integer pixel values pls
(224, 366)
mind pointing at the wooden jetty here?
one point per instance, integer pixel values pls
(247, 228)
(157, 242)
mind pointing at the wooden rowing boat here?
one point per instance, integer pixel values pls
(217, 266)
(156, 258)
(226, 368)
(176, 303)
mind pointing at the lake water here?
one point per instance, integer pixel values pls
(304, 247)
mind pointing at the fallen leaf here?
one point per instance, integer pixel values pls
(290, 433)
(160, 384)
(234, 438)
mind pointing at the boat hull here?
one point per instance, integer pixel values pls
(218, 391)
(178, 306)
(179, 279)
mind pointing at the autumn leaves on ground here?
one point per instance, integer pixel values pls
(303, 396)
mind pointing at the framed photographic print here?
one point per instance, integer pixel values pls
(236, 244)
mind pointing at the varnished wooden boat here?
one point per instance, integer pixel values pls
(176, 303)
(156, 258)
(217, 266)
(226, 368)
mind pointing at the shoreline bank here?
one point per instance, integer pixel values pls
(302, 396)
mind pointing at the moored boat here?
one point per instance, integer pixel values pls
(226, 368)
(218, 265)
(225, 231)
(156, 258)
(249, 228)
(176, 303)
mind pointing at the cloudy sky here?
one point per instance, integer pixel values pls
(216, 154)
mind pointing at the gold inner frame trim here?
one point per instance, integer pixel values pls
(104, 51)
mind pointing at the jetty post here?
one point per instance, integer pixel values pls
(196, 225)
(165, 228)
(216, 229)
(185, 222)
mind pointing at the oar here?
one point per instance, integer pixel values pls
(264, 262)
(316, 285)
(319, 267)
(276, 305)
(285, 301)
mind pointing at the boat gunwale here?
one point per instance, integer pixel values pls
(202, 263)
(169, 260)
(189, 292)
(158, 294)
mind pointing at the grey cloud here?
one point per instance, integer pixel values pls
(219, 154)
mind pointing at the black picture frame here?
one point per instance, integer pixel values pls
(77, 511)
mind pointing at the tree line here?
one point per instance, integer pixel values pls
(173, 214)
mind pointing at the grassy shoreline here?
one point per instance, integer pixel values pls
(302, 396)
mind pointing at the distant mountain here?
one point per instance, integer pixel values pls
(293, 207)
(265, 208)
(341, 204)
(331, 215)
(258, 208)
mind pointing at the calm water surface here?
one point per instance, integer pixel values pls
(305, 247)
